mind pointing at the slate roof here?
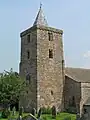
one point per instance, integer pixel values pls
(40, 19)
(78, 74)
(87, 102)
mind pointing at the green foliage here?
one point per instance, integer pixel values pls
(11, 87)
(60, 116)
(44, 118)
(47, 110)
(11, 117)
(5, 113)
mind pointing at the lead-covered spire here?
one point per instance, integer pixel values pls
(40, 19)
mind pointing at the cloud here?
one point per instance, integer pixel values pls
(87, 54)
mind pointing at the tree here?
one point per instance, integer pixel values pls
(11, 87)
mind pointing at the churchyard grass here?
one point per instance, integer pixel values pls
(60, 116)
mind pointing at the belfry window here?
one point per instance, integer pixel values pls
(28, 54)
(50, 36)
(28, 38)
(50, 53)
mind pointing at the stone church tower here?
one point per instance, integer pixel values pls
(42, 65)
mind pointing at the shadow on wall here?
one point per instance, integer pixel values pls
(72, 95)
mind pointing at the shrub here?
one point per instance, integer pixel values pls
(54, 112)
(46, 110)
(5, 113)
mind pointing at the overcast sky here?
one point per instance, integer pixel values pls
(73, 16)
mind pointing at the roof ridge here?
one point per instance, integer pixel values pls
(77, 68)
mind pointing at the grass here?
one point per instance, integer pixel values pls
(60, 116)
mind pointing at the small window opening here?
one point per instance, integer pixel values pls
(28, 54)
(73, 101)
(51, 92)
(27, 92)
(28, 38)
(28, 78)
(50, 53)
(50, 35)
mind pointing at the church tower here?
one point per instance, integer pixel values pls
(41, 65)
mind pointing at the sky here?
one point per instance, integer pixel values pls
(72, 16)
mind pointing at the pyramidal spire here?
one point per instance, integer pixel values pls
(40, 19)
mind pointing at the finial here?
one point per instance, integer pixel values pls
(40, 5)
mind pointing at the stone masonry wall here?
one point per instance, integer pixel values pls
(49, 71)
(72, 88)
(46, 83)
(85, 88)
(29, 66)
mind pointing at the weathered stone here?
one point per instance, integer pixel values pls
(44, 71)
(72, 89)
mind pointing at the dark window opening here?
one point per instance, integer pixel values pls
(62, 61)
(51, 92)
(27, 92)
(50, 53)
(28, 38)
(73, 101)
(50, 35)
(28, 78)
(28, 54)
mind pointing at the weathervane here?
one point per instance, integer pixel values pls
(40, 5)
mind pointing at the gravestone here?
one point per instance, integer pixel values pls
(13, 111)
(54, 112)
(78, 116)
(33, 112)
(20, 117)
(9, 109)
(20, 111)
